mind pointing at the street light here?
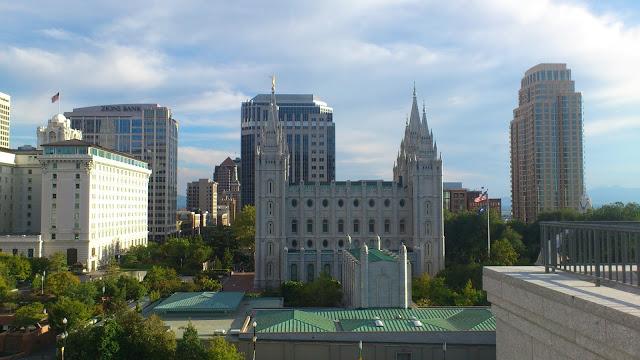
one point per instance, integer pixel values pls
(44, 274)
(63, 336)
(255, 339)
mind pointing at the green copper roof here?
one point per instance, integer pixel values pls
(374, 255)
(363, 320)
(207, 301)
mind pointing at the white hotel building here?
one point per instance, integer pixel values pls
(94, 202)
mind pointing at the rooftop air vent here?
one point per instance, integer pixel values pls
(417, 323)
(379, 323)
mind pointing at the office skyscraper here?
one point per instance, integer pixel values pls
(149, 133)
(546, 143)
(5, 119)
(309, 132)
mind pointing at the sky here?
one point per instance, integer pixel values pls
(203, 58)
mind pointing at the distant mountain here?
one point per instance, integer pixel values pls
(181, 201)
(610, 194)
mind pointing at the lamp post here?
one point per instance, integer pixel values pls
(360, 350)
(44, 274)
(63, 336)
(254, 339)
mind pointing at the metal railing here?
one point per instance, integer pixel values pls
(608, 250)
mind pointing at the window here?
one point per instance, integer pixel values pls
(15, 251)
(30, 251)
(402, 227)
(341, 243)
(270, 248)
(309, 226)
(55, 176)
(77, 176)
(310, 272)
(294, 202)
(325, 226)
(401, 202)
(325, 203)
(372, 203)
(294, 272)
(309, 203)
(340, 203)
(341, 226)
(356, 226)
(387, 226)
(356, 203)
(270, 228)
(54, 196)
(76, 236)
(403, 356)
(269, 270)
(372, 226)
(325, 243)
(270, 186)
(294, 244)
(77, 186)
(294, 226)
(270, 208)
(427, 207)
(327, 269)
(309, 244)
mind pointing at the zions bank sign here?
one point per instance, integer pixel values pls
(120, 108)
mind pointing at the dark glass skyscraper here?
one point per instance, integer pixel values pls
(149, 133)
(310, 133)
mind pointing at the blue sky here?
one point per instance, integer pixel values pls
(202, 58)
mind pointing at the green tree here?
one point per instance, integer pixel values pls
(139, 256)
(76, 312)
(469, 296)
(6, 285)
(60, 283)
(220, 349)
(244, 227)
(145, 338)
(161, 279)
(18, 266)
(108, 337)
(502, 253)
(322, 292)
(57, 263)
(227, 260)
(131, 287)
(29, 314)
(87, 292)
(190, 347)
(205, 283)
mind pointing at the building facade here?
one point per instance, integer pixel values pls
(375, 277)
(226, 175)
(305, 225)
(58, 129)
(309, 132)
(546, 143)
(94, 202)
(20, 192)
(202, 195)
(5, 119)
(149, 133)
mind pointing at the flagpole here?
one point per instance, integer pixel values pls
(488, 226)
(59, 101)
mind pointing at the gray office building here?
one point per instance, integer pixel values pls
(310, 134)
(149, 133)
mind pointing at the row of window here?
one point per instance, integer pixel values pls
(355, 227)
(356, 203)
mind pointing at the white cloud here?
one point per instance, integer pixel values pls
(215, 100)
(603, 127)
(110, 67)
(202, 156)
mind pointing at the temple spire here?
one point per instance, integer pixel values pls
(414, 118)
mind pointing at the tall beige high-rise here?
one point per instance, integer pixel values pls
(546, 143)
(5, 118)
(202, 195)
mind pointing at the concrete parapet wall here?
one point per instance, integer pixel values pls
(560, 316)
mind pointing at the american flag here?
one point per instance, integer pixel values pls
(482, 197)
(55, 97)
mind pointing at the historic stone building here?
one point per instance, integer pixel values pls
(302, 229)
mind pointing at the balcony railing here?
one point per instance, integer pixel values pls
(603, 250)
